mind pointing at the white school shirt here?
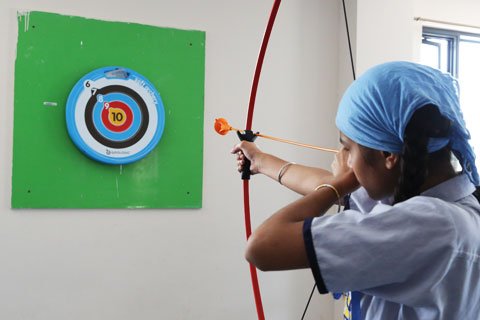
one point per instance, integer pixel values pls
(418, 259)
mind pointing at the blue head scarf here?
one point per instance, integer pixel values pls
(377, 107)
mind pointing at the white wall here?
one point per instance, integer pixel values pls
(179, 264)
(384, 32)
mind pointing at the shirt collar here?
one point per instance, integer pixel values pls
(451, 190)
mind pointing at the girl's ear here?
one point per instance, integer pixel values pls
(391, 160)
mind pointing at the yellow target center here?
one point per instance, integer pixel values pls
(116, 116)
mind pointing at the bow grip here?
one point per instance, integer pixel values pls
(247, 135)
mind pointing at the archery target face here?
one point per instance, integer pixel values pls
(114, 115)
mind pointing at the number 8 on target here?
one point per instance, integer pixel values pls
(114, 115)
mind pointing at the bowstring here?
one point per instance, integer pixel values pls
(348, 39)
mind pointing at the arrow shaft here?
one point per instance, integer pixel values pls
(296, 143)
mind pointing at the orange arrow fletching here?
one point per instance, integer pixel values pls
(221, 126)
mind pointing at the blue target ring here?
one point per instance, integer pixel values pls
(117, 136)
(115, 115)
(112, 135)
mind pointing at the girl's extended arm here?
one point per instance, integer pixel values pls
(299, 178)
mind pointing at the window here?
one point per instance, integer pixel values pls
(438, 51)
(458, 53)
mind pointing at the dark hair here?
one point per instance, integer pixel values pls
(476, 193)
(425, 123)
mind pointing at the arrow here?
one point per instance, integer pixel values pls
(222, 127)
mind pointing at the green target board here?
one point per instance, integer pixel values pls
(49, 171)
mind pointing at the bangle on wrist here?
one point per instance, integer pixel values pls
(326, 185)
(282, 171)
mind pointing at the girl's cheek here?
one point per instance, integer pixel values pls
(349, 161)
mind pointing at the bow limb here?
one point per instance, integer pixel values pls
(248, 126)
(258, 69)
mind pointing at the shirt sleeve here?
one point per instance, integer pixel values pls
(351, 251)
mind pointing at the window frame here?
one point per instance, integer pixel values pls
(453, 38)
(453, 41)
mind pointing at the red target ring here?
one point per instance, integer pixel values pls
(117, 116)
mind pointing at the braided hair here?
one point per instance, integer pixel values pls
(426, 123)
